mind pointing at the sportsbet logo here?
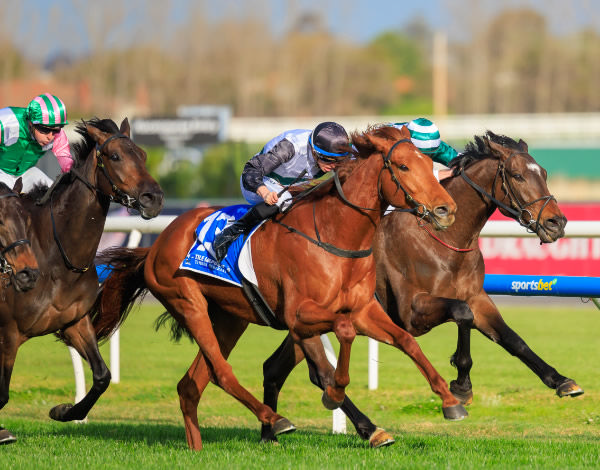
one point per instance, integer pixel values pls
(517, 286)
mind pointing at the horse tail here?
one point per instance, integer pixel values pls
(123, 288)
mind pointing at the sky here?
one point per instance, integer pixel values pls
(55, 23)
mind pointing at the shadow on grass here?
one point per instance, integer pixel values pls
(174, 436)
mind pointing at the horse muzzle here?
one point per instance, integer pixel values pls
(442, 217)
(551, 229)
(25, 279)
(150, 203)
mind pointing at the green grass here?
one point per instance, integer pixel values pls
(514, 422)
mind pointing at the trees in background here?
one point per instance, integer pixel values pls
(147, 58)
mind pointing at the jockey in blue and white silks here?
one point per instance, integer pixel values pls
(293, 157)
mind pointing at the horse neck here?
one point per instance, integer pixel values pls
(79, 214)
(354, 228)
(474, 209)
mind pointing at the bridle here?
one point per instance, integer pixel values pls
(5, 266)
(517, 208)
(119, 196)
(418, 209)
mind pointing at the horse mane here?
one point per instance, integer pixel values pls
(360, 150)
(80, 151)
(479, 149)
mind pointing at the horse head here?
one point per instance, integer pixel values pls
(407, 178)
(17, 259)
(520, 184)
(123, 174)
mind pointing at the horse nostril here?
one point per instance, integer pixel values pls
(555, 224)
(441, 211)
(151, 198)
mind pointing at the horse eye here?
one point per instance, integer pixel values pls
(115, 157)
(402, 167)
(518, 177)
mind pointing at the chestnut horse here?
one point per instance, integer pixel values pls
(309, 283)
(424, 280)
(66, 225)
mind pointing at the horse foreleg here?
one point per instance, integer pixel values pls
(81, 336)
(429, 312)
(335, 393)
(277, 368)
(9, 343)
(373, 322)
(489, 322)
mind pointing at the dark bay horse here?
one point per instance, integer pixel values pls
(310, 288)
(66, 225)
(424, 280)
(18, 265)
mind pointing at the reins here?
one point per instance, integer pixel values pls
(418, 209)
(5, 266)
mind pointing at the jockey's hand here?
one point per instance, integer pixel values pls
(271, 198)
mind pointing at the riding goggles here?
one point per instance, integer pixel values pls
(47, 130)
(323, 155)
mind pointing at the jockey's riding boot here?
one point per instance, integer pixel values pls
(245, 224)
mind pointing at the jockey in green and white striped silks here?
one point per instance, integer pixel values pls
(425, 135)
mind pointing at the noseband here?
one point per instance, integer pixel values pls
(517, 209)
(5, 266)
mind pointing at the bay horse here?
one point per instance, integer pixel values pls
(66, 226)
(424, 280)
(18, 264)
(311, 285)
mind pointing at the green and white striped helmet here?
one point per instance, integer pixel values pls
(426, 137)
(47, 110)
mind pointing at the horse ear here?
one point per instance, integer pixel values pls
(380, 144)
(96, 134)
(18, 187)
(496, 149)
(523, 145)
(125, 127)
(404, 132)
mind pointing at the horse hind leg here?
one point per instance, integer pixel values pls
(82, 337)
(210, 364)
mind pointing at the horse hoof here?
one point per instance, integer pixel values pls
(569, 389)
(59, 412)
(6, 437)
(464, 396)
(329, 403)
(380, 438)
(282, 426)
(455, 413)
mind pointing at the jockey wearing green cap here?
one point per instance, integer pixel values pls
(26, 134)
(425, 135)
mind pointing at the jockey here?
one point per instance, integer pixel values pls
(296, 156)
(425, 135)
(25, 136)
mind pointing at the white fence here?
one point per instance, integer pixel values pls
(136, 226)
